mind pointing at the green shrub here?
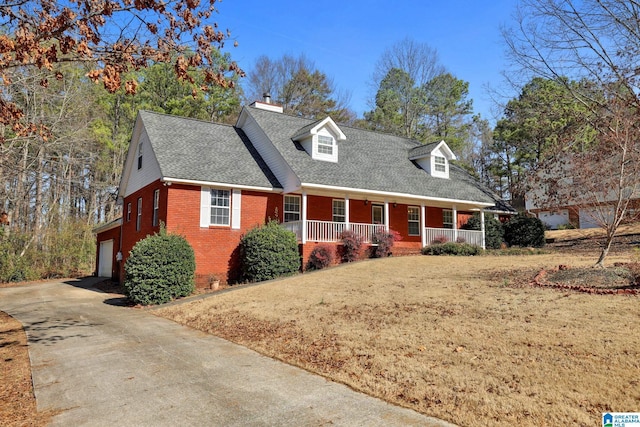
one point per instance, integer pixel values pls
(384, 241)
(269, 251)
(493, 230)
(439, 240)
(160, 268)
(450, 248)
(16, 266)
(524, 231)
(351, 246)
(321, 256)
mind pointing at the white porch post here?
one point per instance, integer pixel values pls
(455, 223)
(304, 217)
(386, 215)
(423, 224)
(346, 212)
(484, 244)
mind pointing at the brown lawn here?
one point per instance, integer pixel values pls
(462, 339)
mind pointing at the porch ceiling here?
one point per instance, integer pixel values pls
(356, 196)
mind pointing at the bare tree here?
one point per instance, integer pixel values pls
(297, 85)
(418, 60)
(598, 42)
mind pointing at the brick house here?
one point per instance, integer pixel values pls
(211, 183)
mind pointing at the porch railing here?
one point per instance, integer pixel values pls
(329, 231)
(472, 237)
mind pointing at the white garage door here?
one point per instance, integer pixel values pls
(553, 219)
(589, 216)
(105, 262)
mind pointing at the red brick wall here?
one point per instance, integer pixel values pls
(320, 208)
(359, 212)
(130, 236)
(216, 247)
(434, 217)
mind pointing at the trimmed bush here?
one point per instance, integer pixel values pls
(524, 231)
(321, 256)
(160, 268)
(493, 231)
(450, 248)
(351, 246)
(439, 240)
(269, 251)
(385, 241)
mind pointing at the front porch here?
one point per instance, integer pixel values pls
(330, 231)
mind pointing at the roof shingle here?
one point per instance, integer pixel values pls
(202, 151)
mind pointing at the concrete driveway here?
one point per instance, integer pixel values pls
(106, 365)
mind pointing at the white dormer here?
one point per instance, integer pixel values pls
(433, 158)
(320, 140)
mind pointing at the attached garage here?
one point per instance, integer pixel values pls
(105, 259)
(554, 219)
(108, 239)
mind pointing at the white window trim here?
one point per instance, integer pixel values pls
(444, 224)
(285, 212)
(333, 210)
(440, 164)
(235, 203)
(139, 215)
(129, 212)
(375, 207)
(413, 221)
(227, 208)
(156, 207)
(317, 155)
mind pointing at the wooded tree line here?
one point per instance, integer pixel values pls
(65, 138)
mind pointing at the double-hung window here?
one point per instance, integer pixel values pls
(291, 208)
(128, 211)
(447, 218)
(338, 213)
(440, 164)
(325, 145)
(413, 218)
(139, 215)
(220, 207)
(156, 207)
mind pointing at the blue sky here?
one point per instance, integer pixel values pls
(346, 38)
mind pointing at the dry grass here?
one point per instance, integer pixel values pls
(17, 401)
(586, 233)
(447, 336)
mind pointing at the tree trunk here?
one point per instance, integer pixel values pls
(605, 251)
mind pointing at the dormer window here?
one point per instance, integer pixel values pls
(433, 158)
(320, 139)
(325, 145)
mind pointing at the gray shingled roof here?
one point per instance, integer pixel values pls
(367, 160)
(422, 150)
(203, 151)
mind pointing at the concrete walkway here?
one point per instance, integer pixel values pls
(107, 365)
